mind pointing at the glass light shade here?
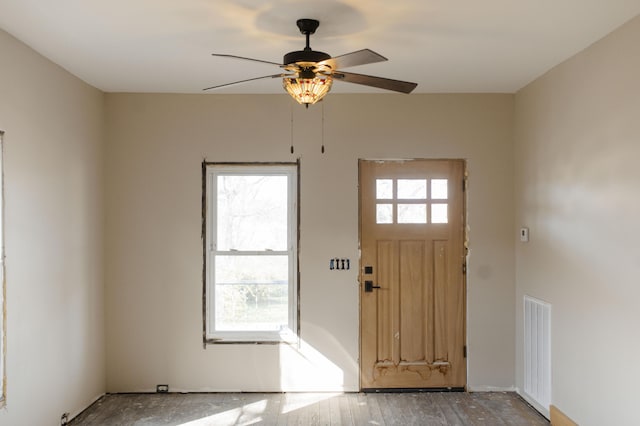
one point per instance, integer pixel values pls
(308, 90)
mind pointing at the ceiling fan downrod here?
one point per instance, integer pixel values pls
(307, 27)
(307, 55)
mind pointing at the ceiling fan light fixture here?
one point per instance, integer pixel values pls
(308, 91)
(308, 74)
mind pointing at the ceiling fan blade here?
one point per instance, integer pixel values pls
(359, 57)
(244, 81)
(379, 82)
(222, 55)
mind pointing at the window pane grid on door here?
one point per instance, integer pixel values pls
(412, 189)
(439, 189)
(384, 189)
(412, 201)
(439, 213)
(412, 213)
(384, 213)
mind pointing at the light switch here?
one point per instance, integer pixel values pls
(524, 235)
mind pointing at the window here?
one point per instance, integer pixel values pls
(412, 201)
(251, 256)
(2, 285)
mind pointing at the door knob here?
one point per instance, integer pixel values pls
(368, 286)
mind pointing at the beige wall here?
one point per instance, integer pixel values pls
(53, 218)
(577, 183)
(155, 144)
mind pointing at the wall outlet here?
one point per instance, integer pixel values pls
(162, 388)
(64, 419)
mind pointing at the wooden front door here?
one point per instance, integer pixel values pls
(412, 286)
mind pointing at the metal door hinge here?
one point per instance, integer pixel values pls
(464, 351)
(464, 268)
(464, 185)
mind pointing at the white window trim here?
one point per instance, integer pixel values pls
(3, 310)
(210, 173)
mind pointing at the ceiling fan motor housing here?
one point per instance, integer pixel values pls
(304, 56)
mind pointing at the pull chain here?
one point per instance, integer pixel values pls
(322, 149)
(291, 105)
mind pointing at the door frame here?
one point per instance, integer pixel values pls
(465, 243)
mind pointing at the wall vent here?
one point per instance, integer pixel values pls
(537, 351)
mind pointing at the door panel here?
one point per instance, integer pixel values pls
(412, 238)
(412, 301)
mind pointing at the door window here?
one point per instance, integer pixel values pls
(410, 201)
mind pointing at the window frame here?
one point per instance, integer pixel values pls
(3, 287)
(210, 172)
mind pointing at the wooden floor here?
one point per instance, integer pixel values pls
(428, 408)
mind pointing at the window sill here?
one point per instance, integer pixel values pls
(252, 338)
(246, 342)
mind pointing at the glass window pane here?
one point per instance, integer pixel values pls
(412, 213)
(439, 213)
(384, 213)
(412, 189)
(251, 307)
(439, 189)
(267, 269)
(384, 189)
(251, 293)
(252, 213)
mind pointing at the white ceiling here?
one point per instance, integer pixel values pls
(443, 45)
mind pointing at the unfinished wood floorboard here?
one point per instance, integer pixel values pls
(486, 413)
(446, 406)
(371, 409)
(324, 407)
(348, 409)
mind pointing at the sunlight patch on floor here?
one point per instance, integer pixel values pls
(296, 401)
(248, 414)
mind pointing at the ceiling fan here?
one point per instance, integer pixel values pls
(308, 74)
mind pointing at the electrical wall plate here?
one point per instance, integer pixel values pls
(338, 263)
(162, 388)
